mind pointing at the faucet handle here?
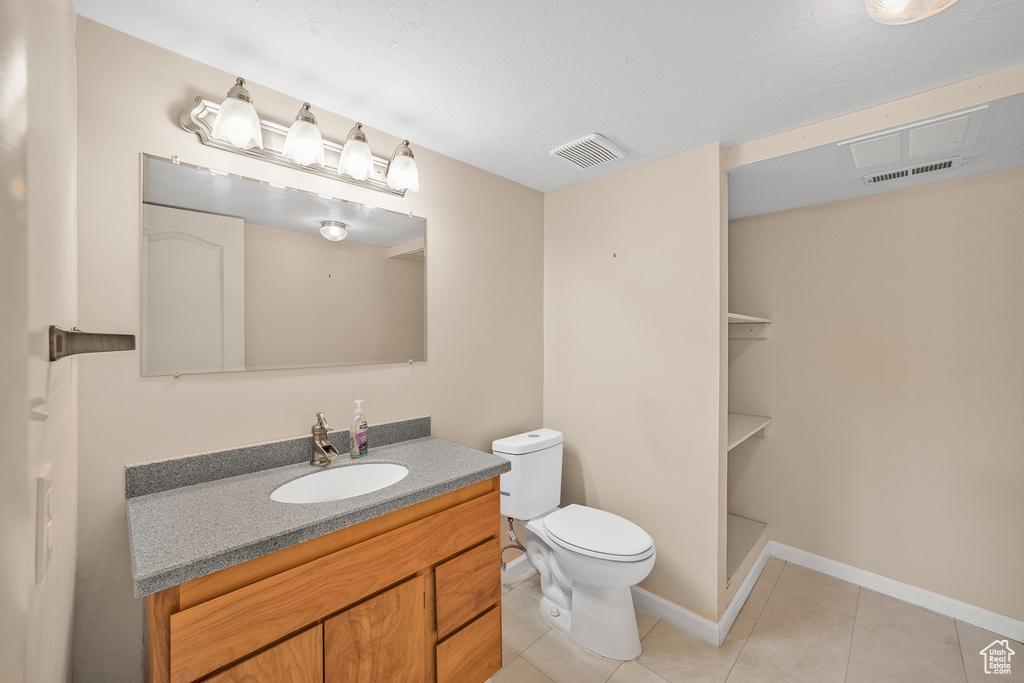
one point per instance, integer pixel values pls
(321, 422)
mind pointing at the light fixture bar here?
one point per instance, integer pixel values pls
(199, 119)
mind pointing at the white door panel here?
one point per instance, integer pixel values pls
(193, 308)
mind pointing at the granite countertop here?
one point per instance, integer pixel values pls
(188, 532)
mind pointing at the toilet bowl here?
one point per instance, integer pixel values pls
(587, 559)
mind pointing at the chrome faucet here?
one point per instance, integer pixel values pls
(323, 450)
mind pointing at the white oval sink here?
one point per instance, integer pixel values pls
(342, 482)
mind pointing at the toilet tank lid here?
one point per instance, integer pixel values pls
(527, 442)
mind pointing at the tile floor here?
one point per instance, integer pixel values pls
(797, 626)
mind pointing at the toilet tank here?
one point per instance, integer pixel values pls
(534, 486)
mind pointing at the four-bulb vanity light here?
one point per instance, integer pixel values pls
(238, 124)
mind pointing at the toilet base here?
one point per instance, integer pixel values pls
(602, 620)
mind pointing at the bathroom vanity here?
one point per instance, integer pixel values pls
(410, 594)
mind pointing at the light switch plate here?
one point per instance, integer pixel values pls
(44, 520)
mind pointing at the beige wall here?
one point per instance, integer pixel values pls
(38, 261)
(482, 380)
(633, 301)
(313, 302)
(895, 375)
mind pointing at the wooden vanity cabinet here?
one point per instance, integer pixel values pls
(414, 595)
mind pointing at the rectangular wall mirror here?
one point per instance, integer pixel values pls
(236, 276)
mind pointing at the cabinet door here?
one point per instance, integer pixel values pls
(382, 640)
(296, 660)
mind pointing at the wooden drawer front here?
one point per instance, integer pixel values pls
(232, 578)
(382, 639)
(222, 630)
(467, 586)
(296, 660)
(473, 654)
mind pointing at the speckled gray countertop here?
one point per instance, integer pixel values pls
(188, 532)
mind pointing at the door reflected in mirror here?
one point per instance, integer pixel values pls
(237, 276)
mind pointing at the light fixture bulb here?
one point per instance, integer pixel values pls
(356, 158)
(895, 12)
(237, 122)
(402, 172)
(304, 145)
(333, 230)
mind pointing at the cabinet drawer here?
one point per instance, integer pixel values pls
(297, 660)
(473, 654)
(467, 585)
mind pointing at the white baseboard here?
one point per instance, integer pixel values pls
(515, 568)
(950, 607)
(694, 624)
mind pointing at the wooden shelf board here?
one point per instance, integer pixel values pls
(742, 427)
(745, 539)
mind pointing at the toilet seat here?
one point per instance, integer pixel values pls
(597, 533)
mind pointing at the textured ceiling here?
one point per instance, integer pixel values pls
(498, 84)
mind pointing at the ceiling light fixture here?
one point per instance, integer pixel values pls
(333, 230)
(904, 11)
(304, 144)
(233, 126)
(402, 172)
(356, 159)
(237, 121)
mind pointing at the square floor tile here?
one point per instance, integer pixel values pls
(518, 671)
(745, 672)
(973, 640)
(645, 621)
(563, 661)
(821, 589)
(799, 641)
(763, 587)
(680, 657)
(521, 624)
(861, 674)
(904, 642)
(531, 586)
(523, 576)
(631, 672)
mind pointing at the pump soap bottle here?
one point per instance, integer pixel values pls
(357, 445)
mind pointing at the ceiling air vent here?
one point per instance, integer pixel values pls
(941, 136)
(911, 171)
(589, 151)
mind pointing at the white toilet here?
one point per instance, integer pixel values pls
(587, 558)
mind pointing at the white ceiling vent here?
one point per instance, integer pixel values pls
(589, 151)
(911, 171)
(942, 135)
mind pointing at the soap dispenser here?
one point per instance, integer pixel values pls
(357, 444)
